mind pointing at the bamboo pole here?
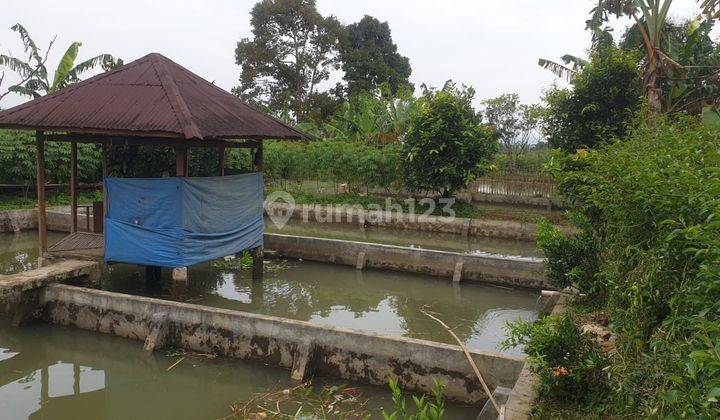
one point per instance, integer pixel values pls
(180, 161)
(73, 187)
(179, 274)
(42, 217)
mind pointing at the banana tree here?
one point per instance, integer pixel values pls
(33, 73)
(650, 17)
(572, 65)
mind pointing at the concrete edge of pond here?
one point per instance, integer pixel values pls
(501, 229)
(42, 276)
(59, 219)
(524, 272)
(303, 347)
(501, 270)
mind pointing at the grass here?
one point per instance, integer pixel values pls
(461, 208)
(52, 199)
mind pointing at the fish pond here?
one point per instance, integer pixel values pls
(49, 371)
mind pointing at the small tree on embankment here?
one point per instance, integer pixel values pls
(446, 145)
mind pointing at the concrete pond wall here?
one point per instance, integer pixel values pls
(504, 229)
(304, 348)
(58, 220)
(503, 270)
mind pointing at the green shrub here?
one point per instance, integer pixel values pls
(653, 206)
(446, 146)
(359, 165)
(18, 154)
(569, 364)
(570, 260)
(605, 96)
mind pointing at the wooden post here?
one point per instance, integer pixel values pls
(42, 218)
(73, 187)
(180, 161)
(180, 274)
(221, 161)
(258, 253)
(104, 175)
(259, 164)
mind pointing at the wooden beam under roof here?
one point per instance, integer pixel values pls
(150, 141)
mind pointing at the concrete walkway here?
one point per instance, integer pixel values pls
(40, 277)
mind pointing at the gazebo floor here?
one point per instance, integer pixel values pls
(80, 245)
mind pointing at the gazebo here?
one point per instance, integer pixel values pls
(150, 102)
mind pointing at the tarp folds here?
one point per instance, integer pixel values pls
(178, 222)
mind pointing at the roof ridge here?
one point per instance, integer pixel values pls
(177, 103)
(70, 88)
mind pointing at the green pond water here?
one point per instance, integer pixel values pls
(18, 252)
(412, 238)
(40, 364)
(384, 302)
(57, 373)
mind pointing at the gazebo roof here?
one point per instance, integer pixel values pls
(149, 97)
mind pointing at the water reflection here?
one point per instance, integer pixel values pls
(62, 373)
(19, 251)
(51, 372)
(384, 302)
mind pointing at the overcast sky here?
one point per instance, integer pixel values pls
(492, 45)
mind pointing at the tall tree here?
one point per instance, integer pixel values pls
(370, 58)
(34, 76)
(293, 49)
(516, 124)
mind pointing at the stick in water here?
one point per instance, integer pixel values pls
(176, 363)
(469, 357)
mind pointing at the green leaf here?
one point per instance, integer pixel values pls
(66, 65)
(710, 117)
(713, 394)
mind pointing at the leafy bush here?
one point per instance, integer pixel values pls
(605, 96)
(569, 260)
(569, 363)
(18, 154)
(446, 146)
(354, 163)
(653, 206)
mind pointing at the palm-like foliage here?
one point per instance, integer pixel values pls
(573, 64)
(34, 77)
(373, 118)
(651, 18)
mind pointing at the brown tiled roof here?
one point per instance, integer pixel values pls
(152, 96)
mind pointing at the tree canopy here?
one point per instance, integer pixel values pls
(516, 123)
(605, 96)
(293, 49)
(370, 58)
(446, 145)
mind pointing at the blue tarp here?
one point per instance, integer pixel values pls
(178, 222)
